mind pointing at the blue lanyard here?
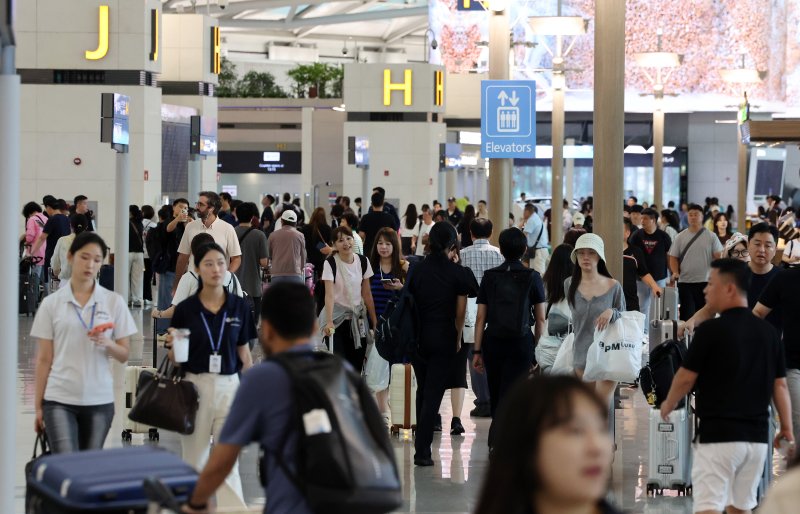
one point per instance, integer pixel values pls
(216, 348)
(80, 316)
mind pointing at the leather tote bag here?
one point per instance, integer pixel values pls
(164, 400)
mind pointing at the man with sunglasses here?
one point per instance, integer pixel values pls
(208, 205)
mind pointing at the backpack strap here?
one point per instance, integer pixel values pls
(332, 261)
(363, 259)
(246, 233)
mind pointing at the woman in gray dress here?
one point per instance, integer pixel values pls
(595, 299)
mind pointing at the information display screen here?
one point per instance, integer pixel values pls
(115, 110)
(269, 162)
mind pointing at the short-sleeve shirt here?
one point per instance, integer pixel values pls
(655, 248)
(268, 215)
(371, 223)
(287, 252)
(480, 257)
(81, 371)
(757, 285)
(239, 330)
(189, 283)
(408, 232)
(782, 294)
(737, 358)
(272, 425)
(633, 267)
(57, 226)
(486, 293)
(254, 248)
(536, 232)
(222, 232)
(347, 283)
(696, 264)
(34, 226)
(424, 229)
(380, 295)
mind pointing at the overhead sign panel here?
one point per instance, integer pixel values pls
(508, 118)
(472, 5)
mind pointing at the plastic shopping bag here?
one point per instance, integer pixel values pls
(563, 365)
(468, 333)
(376, 371)
(546, 352)
(616, 352)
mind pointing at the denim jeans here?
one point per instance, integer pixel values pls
(165, 281)
(479, 384)
(645, 295)
(72, 428)
(793, 381)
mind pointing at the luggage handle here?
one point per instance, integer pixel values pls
(674, 443)
(160, 495)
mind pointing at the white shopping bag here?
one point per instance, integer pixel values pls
(564, 363)
(376, 370)
(616, 352)
(469, 321)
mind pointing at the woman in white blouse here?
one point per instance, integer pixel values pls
(78, 328)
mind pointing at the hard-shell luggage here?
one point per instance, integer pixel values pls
(663, 327)
(131, 427)
(766, 476)
(403, 398)
(107, 481)
(667, 307)
(669, 464)
(28, 293)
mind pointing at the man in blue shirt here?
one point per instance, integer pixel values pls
(287, 323)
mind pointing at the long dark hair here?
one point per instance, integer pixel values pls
(728, 229)
(441, 239)
(558, 270)
(577, 275)
(411, 216)
(671, 217)
(317, 220)
(531, 408)
(469, 215)
(389, 235)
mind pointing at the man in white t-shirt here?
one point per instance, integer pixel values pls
(223, 233)
(424, 229)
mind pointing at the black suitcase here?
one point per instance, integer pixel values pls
(107, 276)
(107, 481)
(28, 293)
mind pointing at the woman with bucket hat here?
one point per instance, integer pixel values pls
(595, 300)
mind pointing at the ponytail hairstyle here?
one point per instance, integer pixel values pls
(442, 238)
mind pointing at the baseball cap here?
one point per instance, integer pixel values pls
(451, 199)
(591, 242)
(289, 215)
(578, 219)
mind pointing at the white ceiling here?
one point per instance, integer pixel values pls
(249, 26)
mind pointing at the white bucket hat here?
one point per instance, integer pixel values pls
(592, 242)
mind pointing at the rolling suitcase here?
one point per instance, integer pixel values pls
(131, 427)
(662, 328)
(669, 464)
(766, 476)
(667, 308)
(107, 481)
(403, 398)
(28, 293)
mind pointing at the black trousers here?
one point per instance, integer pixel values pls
(432, 376)
(344, 346)
(691, 298)
(503, 369)
(149, 280)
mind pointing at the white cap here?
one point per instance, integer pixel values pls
(591, 242)
(578, 219)
(289, 215)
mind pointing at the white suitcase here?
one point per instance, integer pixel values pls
(403, 398)
(670, 452)
(131, 427)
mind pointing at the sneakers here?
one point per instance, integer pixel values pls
(456, 428)
(481, 411)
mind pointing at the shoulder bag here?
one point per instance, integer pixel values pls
(691, 242)
(164, 400)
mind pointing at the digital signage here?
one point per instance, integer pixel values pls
(264, 162)
(114, 110)
(203, 135)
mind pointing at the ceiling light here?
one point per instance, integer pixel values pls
(658, 59)
(743, 76)
(558, 25)
(667, 150)
(339, 108)
(635, 149)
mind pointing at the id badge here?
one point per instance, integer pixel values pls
(215, 364)
(362, 329)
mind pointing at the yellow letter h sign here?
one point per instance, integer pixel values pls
(389, 86)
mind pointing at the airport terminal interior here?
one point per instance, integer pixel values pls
(315, 111)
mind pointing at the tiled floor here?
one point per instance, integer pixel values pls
(451, 486)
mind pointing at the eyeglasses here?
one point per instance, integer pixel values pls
(739, 253)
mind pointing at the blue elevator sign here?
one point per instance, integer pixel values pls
(508, 118)
(471, 5)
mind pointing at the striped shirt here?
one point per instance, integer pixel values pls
(380, 295)
(481, 256)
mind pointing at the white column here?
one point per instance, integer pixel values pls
(9, 317)
(366, 191)
(122, 223)
(557, 190)
(658, 156)
(307, 152)
(499, 169)
(569, 176)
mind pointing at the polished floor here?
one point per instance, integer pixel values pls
(450, 486)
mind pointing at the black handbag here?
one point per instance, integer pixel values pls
(43, 444)
(164, 400)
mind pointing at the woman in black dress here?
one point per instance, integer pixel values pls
(440, 288)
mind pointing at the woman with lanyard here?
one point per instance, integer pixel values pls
(220, 325)
(78, 328)
(348, 311)
(392, 271)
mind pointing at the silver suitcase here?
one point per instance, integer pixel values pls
(662, 329)
(670, 452)
(665, 307)
(766, 477)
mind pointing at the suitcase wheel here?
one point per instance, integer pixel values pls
(126, 436)
(152, 434)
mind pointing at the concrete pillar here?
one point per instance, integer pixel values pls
(557, 195)
(658, 156)
(122, 224)
(499, 169)
(569, 176)
(741, 197)
(450, 189)
(609, 127)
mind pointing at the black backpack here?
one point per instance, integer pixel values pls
(153, 241)
(655, 379)
(397, 333)
(330, 260)
(350, 467)
(510, 308)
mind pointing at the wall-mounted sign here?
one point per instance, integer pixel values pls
(389, 86)
(508, 118)
(259, 162)
(438, 87)
(471, 5)
(154, 34)
(114, 111)
(215, 51)
(102, 36)
(203, 135)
